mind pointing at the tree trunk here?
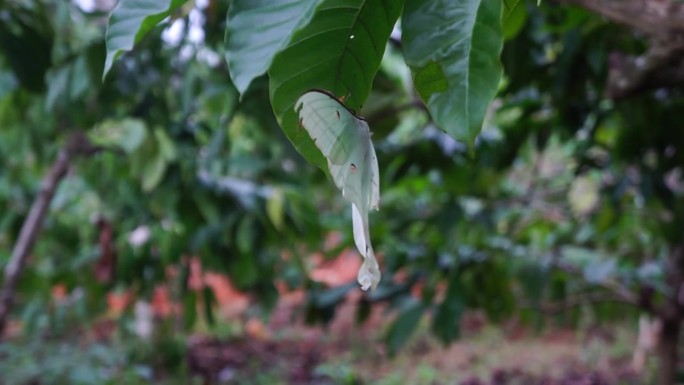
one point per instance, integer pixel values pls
(77, 144)
(667, 352)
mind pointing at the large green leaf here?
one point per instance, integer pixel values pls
(340, 51)
(257, 30)
(127, 134)
(403, 327)
(130, 21)
(453, 50)
(151, 159)
(447, 318)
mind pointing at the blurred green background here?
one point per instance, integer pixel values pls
(189, 242)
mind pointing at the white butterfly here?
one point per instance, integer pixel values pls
(345, 141)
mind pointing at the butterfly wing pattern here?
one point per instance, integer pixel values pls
(345, 141)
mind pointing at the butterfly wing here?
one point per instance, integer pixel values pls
(326, 121)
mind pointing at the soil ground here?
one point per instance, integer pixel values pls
(285, 351)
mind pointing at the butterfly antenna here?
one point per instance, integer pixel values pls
(344, 98)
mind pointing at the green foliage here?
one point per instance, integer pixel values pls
(338, 51)
(194, 161)
(62, 363)
(25, 26)
(130, 21)
(257, 30)
(127, 135)
(447, 318)
(338, 45)
(455, 65)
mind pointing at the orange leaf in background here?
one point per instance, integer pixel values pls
(161, 303)
(338, 271)
(256, 329)
(59, 292)
(195, 280)
(117, 302)
(231, 301)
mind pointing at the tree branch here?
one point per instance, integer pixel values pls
(77, 144)
(662, 22)
(621, 292)
(660, 19)
(573, 302)
(659, 67)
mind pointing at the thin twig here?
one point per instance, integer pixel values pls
(622, 292)
(383, 114)
(573, 302)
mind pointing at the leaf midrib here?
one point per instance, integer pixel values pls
(344, 52)
(472, 22)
